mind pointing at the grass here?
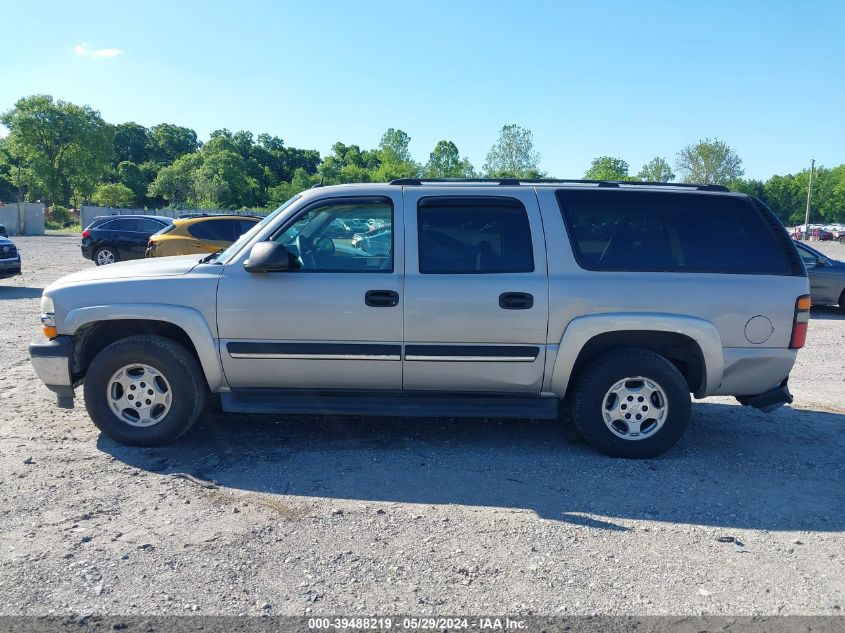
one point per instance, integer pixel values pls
(59, 229)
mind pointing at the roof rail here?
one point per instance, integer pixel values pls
(413, 182)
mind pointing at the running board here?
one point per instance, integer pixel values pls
(391, 404)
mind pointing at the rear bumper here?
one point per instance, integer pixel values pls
(51, 359)
(770, 400)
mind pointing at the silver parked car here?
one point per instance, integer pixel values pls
(827, 277)
(487, 299)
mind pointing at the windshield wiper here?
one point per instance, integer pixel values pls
(212, 256)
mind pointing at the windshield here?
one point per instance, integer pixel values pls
(233, 248)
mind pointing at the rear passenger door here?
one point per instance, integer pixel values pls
(476, 298)
(212, 234)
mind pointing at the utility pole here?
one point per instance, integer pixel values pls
(809, 193)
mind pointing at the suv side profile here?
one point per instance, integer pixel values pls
(491, 299)
(199, 234)
(113, 238)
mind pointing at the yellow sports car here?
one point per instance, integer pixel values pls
(199, 234)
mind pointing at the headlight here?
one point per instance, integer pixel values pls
(47, 306)
(48, 317)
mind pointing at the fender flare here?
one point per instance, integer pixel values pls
(581, 329)
(189, 320)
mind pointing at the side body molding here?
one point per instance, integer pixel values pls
(580, 330)
(190, 320)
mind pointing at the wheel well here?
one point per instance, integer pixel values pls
(94, 338)
(681, 350)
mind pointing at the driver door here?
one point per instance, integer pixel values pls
(333, 321)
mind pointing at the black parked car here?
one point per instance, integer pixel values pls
(10, 259)
(113, 238)
(3, 231)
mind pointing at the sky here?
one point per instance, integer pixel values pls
(628, 79)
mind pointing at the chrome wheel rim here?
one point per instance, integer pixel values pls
(104, 257)
(635, 408)
(139, 395)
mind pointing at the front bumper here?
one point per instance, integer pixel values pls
(10, 267)
(51, 359)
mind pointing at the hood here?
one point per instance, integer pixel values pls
(4, 240)
(139, 268)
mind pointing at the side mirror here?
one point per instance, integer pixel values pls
(268, 257)
(821, 261)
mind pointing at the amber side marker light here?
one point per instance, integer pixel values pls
(800, 322)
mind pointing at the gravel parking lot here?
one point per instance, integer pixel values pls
(329, 515)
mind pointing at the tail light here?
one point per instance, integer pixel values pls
(86, 233)
(800, 322)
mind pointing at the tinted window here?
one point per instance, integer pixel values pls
(473, 235)
(245, 225)
(317, 243)
(151, 226)
(681, 232)
(125, 224)
(215, 230)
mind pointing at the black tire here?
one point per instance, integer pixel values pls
(842, 302)
(842, 240)
(180, 369)
(103, 250)
(597, 378)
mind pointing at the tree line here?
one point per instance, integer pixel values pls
(66, 154)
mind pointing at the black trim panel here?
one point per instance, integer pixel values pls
(479, 351)
(59, 347)
(313, 349)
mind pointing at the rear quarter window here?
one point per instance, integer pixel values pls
(646, 231)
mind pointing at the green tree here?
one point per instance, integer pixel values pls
(113, 195)
(223, 181)
(175, 183)
(513, 155)
(709, 162)
(393, 147)
(130, 175)
(301, 181)
(656, 170)
(446, 162)
(394, 157)
(607, 168)
(168, 142)
(66, 147)
(131, 143)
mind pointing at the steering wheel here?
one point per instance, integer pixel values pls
(305, 250)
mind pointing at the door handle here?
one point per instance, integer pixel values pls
(381, 298)
(516, 301)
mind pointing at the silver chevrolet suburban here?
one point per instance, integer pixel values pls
(499, 298)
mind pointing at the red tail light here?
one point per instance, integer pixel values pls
(86, 233)
(800, 322)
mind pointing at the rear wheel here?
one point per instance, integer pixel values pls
(842, 302)
(105, 255)
(631, 403)
(144, 391)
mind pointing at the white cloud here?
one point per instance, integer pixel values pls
(85, 50)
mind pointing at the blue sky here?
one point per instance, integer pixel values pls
(633, 80)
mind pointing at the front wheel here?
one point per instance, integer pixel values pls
(631, 403)
(144, 391)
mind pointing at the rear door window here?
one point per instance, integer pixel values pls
(123, 225)
(214, 230)
(669, 231)
(473, 235)
(152, 226)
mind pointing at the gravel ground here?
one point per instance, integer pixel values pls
(330, 515)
